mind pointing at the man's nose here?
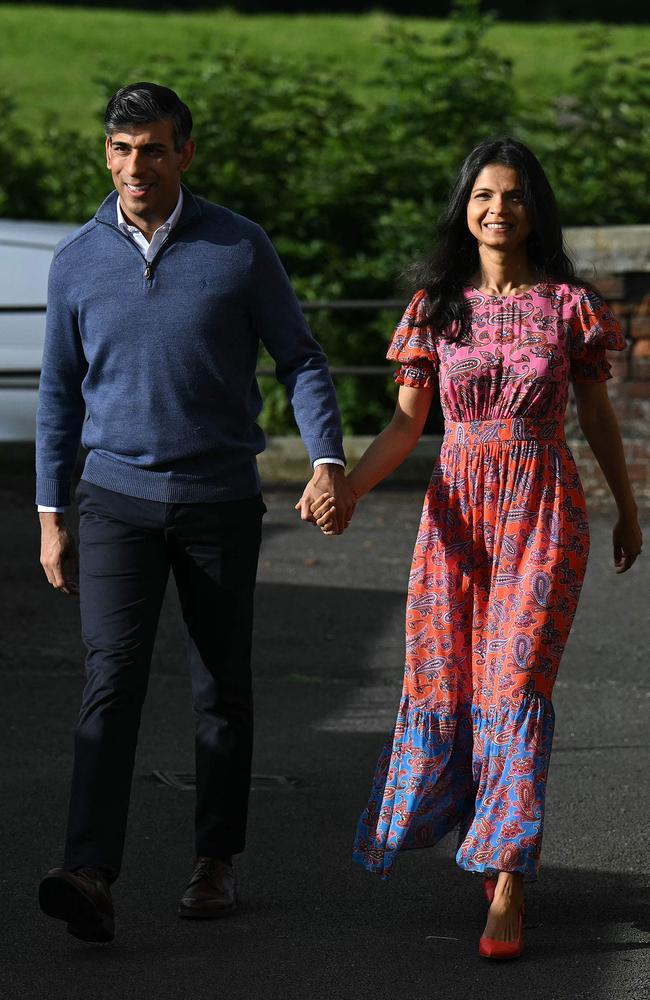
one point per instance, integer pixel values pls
(135, 162)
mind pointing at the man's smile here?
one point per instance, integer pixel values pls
(137, 189)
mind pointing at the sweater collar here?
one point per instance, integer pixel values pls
(107, 211)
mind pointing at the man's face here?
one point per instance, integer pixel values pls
(146, 169)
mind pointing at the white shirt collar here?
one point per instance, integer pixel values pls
(166, 226)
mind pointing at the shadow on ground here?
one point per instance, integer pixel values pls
(328, 657)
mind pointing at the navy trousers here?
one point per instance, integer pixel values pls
(127, 547)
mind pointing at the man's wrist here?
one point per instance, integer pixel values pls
(328, 461)
(329, 472)
(51, 518)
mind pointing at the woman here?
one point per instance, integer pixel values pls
(500, 325)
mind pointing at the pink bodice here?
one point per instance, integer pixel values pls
(519, 356)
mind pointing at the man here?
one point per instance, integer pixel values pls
(155, 312)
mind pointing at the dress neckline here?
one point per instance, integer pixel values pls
(509, 295)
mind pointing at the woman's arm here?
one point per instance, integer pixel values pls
(387, 451)
(600, 427)
(396, 441)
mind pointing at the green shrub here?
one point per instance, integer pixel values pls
(595, 140)
(20, 155)
(349, 193)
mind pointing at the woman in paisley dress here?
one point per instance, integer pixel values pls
(499, 326)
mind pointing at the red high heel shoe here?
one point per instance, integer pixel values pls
(489, 948)
(489, 888)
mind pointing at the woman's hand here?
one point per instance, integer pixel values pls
(600, 427)
(323, 510)
(387, 451)
(331, 479)
(627, 539)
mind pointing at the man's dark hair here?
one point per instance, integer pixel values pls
(143, 103)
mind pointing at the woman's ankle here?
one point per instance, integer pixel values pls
(510, 885)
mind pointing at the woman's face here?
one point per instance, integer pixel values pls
(496, 214)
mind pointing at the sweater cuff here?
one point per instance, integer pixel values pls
(324, 448)
(52, 492)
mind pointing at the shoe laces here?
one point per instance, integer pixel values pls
(205, 868)
(92, 876)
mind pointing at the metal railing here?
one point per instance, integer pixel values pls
(27, 378)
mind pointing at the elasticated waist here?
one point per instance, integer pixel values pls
(476, 432)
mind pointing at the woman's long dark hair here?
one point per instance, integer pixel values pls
(455, 258)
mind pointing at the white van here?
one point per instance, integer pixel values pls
(25, 254)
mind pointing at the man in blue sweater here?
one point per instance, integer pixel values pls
(156, 308)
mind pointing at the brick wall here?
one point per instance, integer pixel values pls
(617, 260)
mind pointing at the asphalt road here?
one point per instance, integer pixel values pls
(328, 663)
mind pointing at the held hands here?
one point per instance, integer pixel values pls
(328, 481)
(324, 513)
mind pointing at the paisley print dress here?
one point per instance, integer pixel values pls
(497, 569)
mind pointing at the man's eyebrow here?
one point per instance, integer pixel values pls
(147, 146)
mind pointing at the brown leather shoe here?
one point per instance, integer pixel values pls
(210, 892)
(83, 898)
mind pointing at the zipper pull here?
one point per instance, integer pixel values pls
(147, 271)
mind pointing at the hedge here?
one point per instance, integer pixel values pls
(625, 11)
(350, 193)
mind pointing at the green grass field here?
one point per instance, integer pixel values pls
(50, 57)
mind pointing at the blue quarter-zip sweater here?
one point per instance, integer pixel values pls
(153, 367)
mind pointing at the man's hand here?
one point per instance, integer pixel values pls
(329, 478)
(59, 554)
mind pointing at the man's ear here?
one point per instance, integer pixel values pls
(107, 147)
(187, 154)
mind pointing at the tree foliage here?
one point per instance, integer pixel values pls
(350, 193)
(595, 140)
(625, 11)
(21, 177)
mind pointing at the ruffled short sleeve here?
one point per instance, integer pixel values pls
(594, 330)
(413, 347)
